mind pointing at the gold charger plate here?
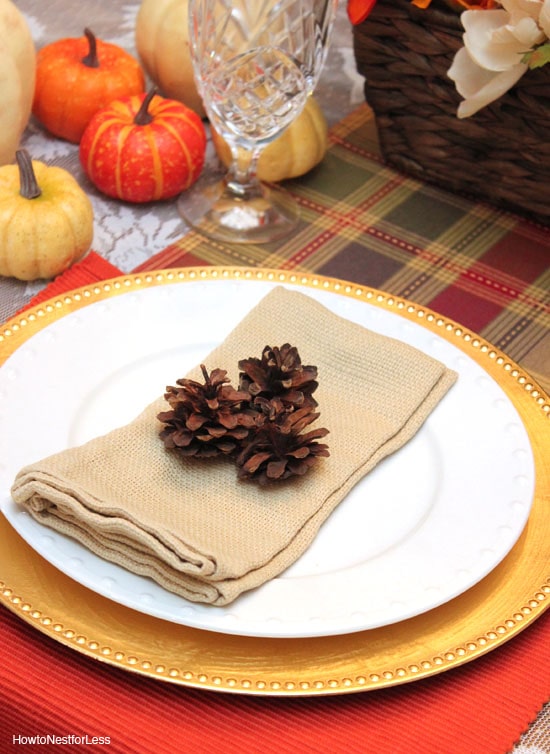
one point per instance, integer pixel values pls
(505, 602)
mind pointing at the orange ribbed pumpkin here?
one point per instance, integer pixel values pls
(77, 77)
(143, 148)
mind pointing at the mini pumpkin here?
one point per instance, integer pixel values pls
(46, 219)
(77, 77)
(143, 148)
(17, 73)
(162, 43)
(296, 151)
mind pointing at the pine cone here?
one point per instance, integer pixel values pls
(278, 449)
(207, 419)
(279, 373)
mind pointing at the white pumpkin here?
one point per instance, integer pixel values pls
(17, 75)
(162, 43)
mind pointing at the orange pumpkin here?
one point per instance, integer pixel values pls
(77, 77)
(143, 148)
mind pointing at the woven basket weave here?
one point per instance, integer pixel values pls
(501, 154)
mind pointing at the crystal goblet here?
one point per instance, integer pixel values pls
(255, 64)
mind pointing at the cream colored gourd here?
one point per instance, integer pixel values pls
(299, 149)
(17, 74)
(46, 219)
(162, 43)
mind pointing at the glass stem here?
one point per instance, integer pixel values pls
(242, 178)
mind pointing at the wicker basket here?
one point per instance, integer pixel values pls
(501, 154)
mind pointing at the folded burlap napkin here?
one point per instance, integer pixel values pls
(191, 525)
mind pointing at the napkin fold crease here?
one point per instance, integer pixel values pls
(191, 525)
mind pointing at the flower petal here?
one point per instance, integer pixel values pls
(527, 32)
(478, 86)
(519, 8)
(544, 18)
(469, 77)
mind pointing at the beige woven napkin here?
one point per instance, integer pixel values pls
(191, 525)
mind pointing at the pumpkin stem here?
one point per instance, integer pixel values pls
(91, 59)
(143, 116)
(29, 188)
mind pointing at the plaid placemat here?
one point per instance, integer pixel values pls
(362, 221)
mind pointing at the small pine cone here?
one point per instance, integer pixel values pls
(207, 419)
(278, 448)
(279, 373)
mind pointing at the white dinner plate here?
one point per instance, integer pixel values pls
(424, 526)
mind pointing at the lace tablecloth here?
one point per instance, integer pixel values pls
(127, 235)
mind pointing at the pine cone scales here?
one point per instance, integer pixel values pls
(279, 372)
(207, 419)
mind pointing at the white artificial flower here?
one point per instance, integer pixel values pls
(495, 42)
(479, 86)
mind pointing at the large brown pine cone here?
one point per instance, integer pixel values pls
(279, 373)
(207, 419)
(278, 448)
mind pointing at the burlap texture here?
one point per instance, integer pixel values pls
(191, 525)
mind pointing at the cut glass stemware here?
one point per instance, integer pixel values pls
(255, 64)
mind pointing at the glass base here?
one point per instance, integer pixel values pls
(265, 214)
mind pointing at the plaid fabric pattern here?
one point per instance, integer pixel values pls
(365, 222)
